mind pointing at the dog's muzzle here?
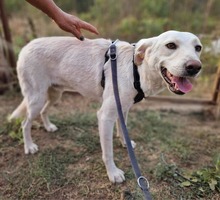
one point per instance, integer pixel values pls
(181, 84)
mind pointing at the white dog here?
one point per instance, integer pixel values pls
(49, 66)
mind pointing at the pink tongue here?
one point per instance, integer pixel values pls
(184, 85)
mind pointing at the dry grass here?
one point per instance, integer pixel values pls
(69, 165)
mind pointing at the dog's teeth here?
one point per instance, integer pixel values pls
(176, 87)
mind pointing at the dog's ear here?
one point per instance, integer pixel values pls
(141, 48)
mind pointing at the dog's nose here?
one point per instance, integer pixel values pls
(193, 67)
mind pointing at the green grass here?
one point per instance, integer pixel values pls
(156, 127)
(13, 129)
(69, 164)
(42, 173)
(82, 128)
(163, 130)
(51, 165)
(152, 125)
(200, 183)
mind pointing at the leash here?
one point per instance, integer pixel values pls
(137, 85)
(141, 180)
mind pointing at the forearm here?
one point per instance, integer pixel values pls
(48, 7)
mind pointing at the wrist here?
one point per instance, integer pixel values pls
(54, 12)
(58, 16)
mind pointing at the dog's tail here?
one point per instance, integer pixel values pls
(19, 112)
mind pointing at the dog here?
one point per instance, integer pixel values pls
(49, 66)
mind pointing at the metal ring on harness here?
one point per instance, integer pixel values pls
(145, 179)
(113, 57)
(113, 54)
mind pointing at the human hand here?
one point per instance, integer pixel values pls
(73, 24)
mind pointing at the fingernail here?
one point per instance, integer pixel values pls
(81, 38)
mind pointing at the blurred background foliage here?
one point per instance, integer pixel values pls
(128, 20)
(131, 19)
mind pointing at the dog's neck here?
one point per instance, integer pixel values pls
(149, 80)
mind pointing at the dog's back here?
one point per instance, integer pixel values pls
(62, 61)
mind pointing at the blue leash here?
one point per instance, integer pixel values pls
(141, 180)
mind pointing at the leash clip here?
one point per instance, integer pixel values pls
(144, 179)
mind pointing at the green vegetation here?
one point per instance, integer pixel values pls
(179, 157)
(13, 129)
(133, 19)
(197, 184)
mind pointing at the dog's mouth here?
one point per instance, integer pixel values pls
(176, 84)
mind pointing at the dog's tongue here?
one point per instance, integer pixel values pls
(183, 84)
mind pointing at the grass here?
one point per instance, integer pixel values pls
(152, 126)
(69, 164)
(45, 172)
(195, 184)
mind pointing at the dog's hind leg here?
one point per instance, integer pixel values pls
(34, 106)
(120, 134)
(53, 96)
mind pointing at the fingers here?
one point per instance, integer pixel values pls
(74, 25)
(88, 27)
(83, 25)
(76, 31)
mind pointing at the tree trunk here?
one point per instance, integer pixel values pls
(7, 34)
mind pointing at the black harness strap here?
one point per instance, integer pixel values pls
(103, 72)
(137, 85)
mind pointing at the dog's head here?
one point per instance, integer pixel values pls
(174, 55)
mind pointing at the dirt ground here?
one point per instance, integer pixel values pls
(69, 165)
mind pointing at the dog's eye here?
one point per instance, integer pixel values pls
(171, 45)
(198, 48)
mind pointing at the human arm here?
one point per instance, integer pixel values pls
(65, 21)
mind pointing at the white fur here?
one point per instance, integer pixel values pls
(49, 66)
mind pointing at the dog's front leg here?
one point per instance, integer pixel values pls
(120, 134)
(106, 124)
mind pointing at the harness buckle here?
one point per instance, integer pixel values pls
(113, 54)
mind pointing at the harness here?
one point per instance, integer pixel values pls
(137, 85)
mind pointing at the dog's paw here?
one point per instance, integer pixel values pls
(30, 148)
(133, 144)
(51, 128)
(116, 176)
